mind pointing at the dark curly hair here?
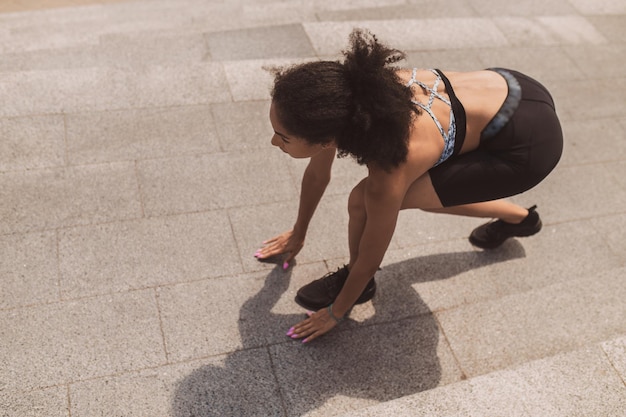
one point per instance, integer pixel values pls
(359, 103)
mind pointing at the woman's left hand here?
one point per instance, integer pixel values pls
(317, 324)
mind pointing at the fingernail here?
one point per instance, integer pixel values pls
(290, 332)
(294, 336)
(285, 265)
(305, 340)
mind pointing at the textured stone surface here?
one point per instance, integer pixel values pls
(213, 181)
(244, 125)
(272, 42)
(63, 342)
(238, 312)
(580, 383)
(50, 402)
(423, 34)
(29, 269)
(140, 134)
(212, 387)
(504, 332)
(31, 142)
(97, 89)
(145, 253)
(616, 352)
(384, 363)
(50, 198)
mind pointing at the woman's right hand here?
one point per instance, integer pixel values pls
(288, 243)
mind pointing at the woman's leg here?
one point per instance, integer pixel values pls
(422, 195)
(357, 219)
(497, 209)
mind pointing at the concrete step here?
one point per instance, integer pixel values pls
(590, 381)
(559, 350)
(84, 28)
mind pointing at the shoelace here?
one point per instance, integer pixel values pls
(494, 229)
(333, 284)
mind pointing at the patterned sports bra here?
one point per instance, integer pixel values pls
(451, 142)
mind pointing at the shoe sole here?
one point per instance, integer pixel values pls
(364, 298)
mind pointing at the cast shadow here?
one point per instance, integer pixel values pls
(389, 355)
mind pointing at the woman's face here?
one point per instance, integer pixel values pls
(296, 147)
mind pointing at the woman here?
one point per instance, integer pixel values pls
(444, 142)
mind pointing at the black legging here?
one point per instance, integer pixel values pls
(515, 159)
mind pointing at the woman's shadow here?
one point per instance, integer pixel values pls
(392, 354)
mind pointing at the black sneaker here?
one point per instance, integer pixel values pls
(493, 234)
(323, 291)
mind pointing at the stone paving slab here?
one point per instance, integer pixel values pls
(503, 332)
(61, 197)
(613, 229)
(610, 26)
(113, 50)
(452, 274)
(616, 352)
(596, 192)
(50, 402)
(522, 7)
(600, 7)
(251, 228)
(98, 89)
(580, 383)
(568, 93)
(356, 368)
(618, 171)
(217, 386)
(418, 9)
(243, 125)
(123, 256)
(32, 142)
(239, 312)
(213, 181)
(29, 269)
(593, 141)
(598, 60)
(58, 343)
(140, 134)
(329, 37)
(532, 61)
(275, 42)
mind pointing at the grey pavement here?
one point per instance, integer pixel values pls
(137, 181)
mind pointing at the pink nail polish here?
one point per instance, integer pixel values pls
(305, 340)
(285, 265)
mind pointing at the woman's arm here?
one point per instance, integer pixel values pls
(314, 181)
(383, 200)
(384, 194)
